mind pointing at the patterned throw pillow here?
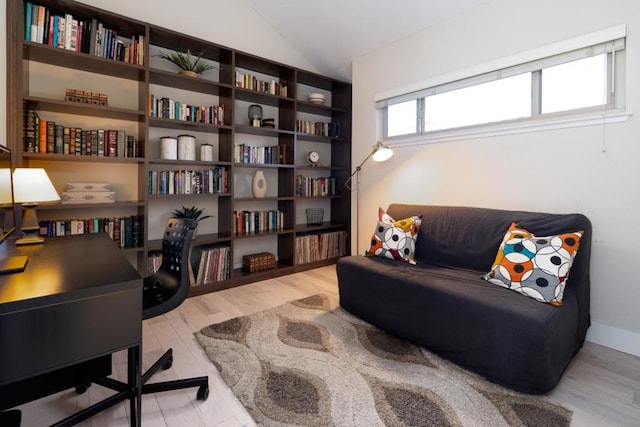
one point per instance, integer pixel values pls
(537, 267)
(395, 239)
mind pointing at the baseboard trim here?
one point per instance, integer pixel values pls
(615, 338)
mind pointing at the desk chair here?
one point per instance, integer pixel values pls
(166, 289)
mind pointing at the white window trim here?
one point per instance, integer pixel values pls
(491, 130)
(597, 37)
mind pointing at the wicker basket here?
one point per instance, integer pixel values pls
(314, 216)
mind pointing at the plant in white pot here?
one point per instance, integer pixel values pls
(189, 64)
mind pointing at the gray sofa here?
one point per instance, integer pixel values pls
(442, 303)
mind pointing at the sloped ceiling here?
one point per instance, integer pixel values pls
(331, 33)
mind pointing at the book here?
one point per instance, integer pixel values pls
(101, 138)
(121, 143)
(111, 144)
(65, 140)
(51, 137)
(30, 130)
(42, 136)
(92, 36)
(58, 147)
(28, 10)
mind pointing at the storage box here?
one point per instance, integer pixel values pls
(69, 197)
(258, 262)
(89, 186)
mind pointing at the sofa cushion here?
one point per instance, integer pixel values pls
(537, 267)
(395, 239)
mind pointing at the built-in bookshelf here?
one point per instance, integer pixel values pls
(90, 139)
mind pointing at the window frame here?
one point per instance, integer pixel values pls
(610, 42)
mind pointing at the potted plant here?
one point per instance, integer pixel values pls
(191, 213)
(189, 64)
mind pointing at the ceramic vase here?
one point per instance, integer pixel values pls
(259, 184)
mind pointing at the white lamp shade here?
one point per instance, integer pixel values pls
(5, 186)
(31, 185)
(383, 154)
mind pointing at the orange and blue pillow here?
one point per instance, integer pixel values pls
(537, 267)
(395, 239)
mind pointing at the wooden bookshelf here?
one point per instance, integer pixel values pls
(28, 61)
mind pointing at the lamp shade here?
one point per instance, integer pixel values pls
(5, 186)
(32, 185)
(382, 153)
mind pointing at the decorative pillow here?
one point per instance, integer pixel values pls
(395, 239)
(537, 267)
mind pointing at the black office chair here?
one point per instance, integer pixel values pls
(166, 289)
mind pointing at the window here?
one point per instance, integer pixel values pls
(569, 83)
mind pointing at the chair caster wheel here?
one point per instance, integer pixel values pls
(81, 388)
(203, 392)
(168, 363)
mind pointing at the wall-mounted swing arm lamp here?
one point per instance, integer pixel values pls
(379, 153)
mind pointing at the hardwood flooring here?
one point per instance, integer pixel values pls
(601, 386)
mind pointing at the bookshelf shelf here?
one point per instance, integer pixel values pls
(101, 206)
(195, 84)
(81, 158)
(81, 61)
(81, 109)
(238, 80)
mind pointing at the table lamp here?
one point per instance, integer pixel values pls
(30, 186)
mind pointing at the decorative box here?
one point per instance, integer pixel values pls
(258, 262)
(69, 197)
(89, 186)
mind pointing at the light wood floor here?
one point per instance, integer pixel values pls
(601, 386)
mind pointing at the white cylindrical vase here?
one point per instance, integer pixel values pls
(259, 184)
(206, 152)
(168, 148)
(186, 147)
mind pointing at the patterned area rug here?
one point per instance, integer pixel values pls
(310, 363)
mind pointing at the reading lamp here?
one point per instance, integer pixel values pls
(30, 186)
(379, 153)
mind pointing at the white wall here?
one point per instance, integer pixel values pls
(551, 171)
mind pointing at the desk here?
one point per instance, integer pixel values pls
(78, 299)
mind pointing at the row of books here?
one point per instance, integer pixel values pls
(125, 231)
(273, 87)
(315, 187)
(48, 137)
(210, 264)
(318, 247)
(167, 108)
(253, 222)
(273, 155)
(331, 129)
(63, 30)
(206, 181)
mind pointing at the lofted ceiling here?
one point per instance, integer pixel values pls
(331, 33)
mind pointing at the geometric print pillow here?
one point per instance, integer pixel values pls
(537, 267)
(395, 239)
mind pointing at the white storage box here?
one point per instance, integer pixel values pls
(69, 197)
(89, 186)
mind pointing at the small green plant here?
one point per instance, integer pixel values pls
(191, 213)
(187, 61)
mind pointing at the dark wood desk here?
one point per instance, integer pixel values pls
(78, 299)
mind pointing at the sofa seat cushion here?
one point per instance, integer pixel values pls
(506, 337)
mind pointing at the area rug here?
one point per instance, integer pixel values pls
(311, 363)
